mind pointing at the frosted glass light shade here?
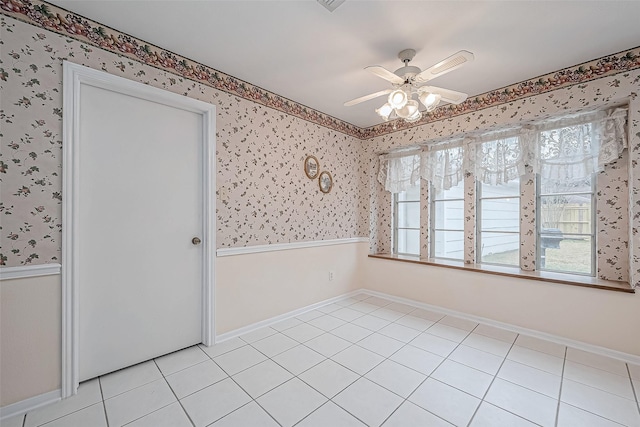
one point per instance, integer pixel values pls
(429, 100)
(415, 117)
(408, 110)
(398, 98)
(385, 111)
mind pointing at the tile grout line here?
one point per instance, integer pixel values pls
(355, 343)
(229, 376)
(428, 376)
(330, 358)
(104, 404)
(564, 364)
(595, 388)
(633, 388)
(482, 399)
(408, 343)
(173, 392)
(241, 388)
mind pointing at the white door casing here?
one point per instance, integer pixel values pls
(80, 83)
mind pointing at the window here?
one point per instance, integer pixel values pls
(566, 200)
(548, 223)
(406, 221)
(447, 222)
(566, 226)
(498, 219)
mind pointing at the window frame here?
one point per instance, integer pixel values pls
(478, 206)
(395, 227)
(432, 224)
(594, 230)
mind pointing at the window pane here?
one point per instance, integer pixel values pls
(412, 194)
(449, 244)
(500, 214)
(456, 192)
(566, 213)
(512, 188)
(408, 242)
(566, 254)
(449, 215)
(409, 215)
(500, 248)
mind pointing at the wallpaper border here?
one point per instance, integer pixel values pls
(56, 19)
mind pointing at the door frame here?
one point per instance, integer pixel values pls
(74, 76)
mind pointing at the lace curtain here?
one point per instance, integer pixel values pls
(397, 174)
(566, 150)
(443, 167)
(569, 150)
(500, 160)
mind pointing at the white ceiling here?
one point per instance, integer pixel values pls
(299, 50)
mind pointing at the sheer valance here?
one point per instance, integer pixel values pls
(397, 174)
(567, 150)
(443, 167)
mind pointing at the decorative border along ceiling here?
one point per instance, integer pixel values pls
(59, 20)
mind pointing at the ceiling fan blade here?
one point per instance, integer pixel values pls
(367, 97)
(447, 95)
(385, 74)
(453, 62)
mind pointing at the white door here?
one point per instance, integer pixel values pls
(139, 193)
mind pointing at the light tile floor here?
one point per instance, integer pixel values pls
(361, 361)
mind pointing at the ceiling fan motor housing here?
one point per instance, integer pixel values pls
(407, 71)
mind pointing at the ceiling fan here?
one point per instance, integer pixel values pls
(409, 81)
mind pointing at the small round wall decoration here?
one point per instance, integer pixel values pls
(311, 167)
(325, 181)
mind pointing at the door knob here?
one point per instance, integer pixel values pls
(196, 241)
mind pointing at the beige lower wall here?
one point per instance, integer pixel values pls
(255, 287)
(599, 317)
(30, 337)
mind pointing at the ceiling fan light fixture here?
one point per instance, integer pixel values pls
(409, 110)
(429, 100)
(398, 99)
(415, 117)
(385, 111)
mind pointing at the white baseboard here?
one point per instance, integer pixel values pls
(626, 357)
(24, 406)
(287, 246)
(23, 271)
(273, 320)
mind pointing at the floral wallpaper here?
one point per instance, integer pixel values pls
(617, 242)
(50, 17)
(425, 219)
(53, 18)
(264, 197)
(634, 185)
(528, 221)
(262, 138)
(612, 220)
(469, 216)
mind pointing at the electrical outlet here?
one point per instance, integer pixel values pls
(331, 275)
